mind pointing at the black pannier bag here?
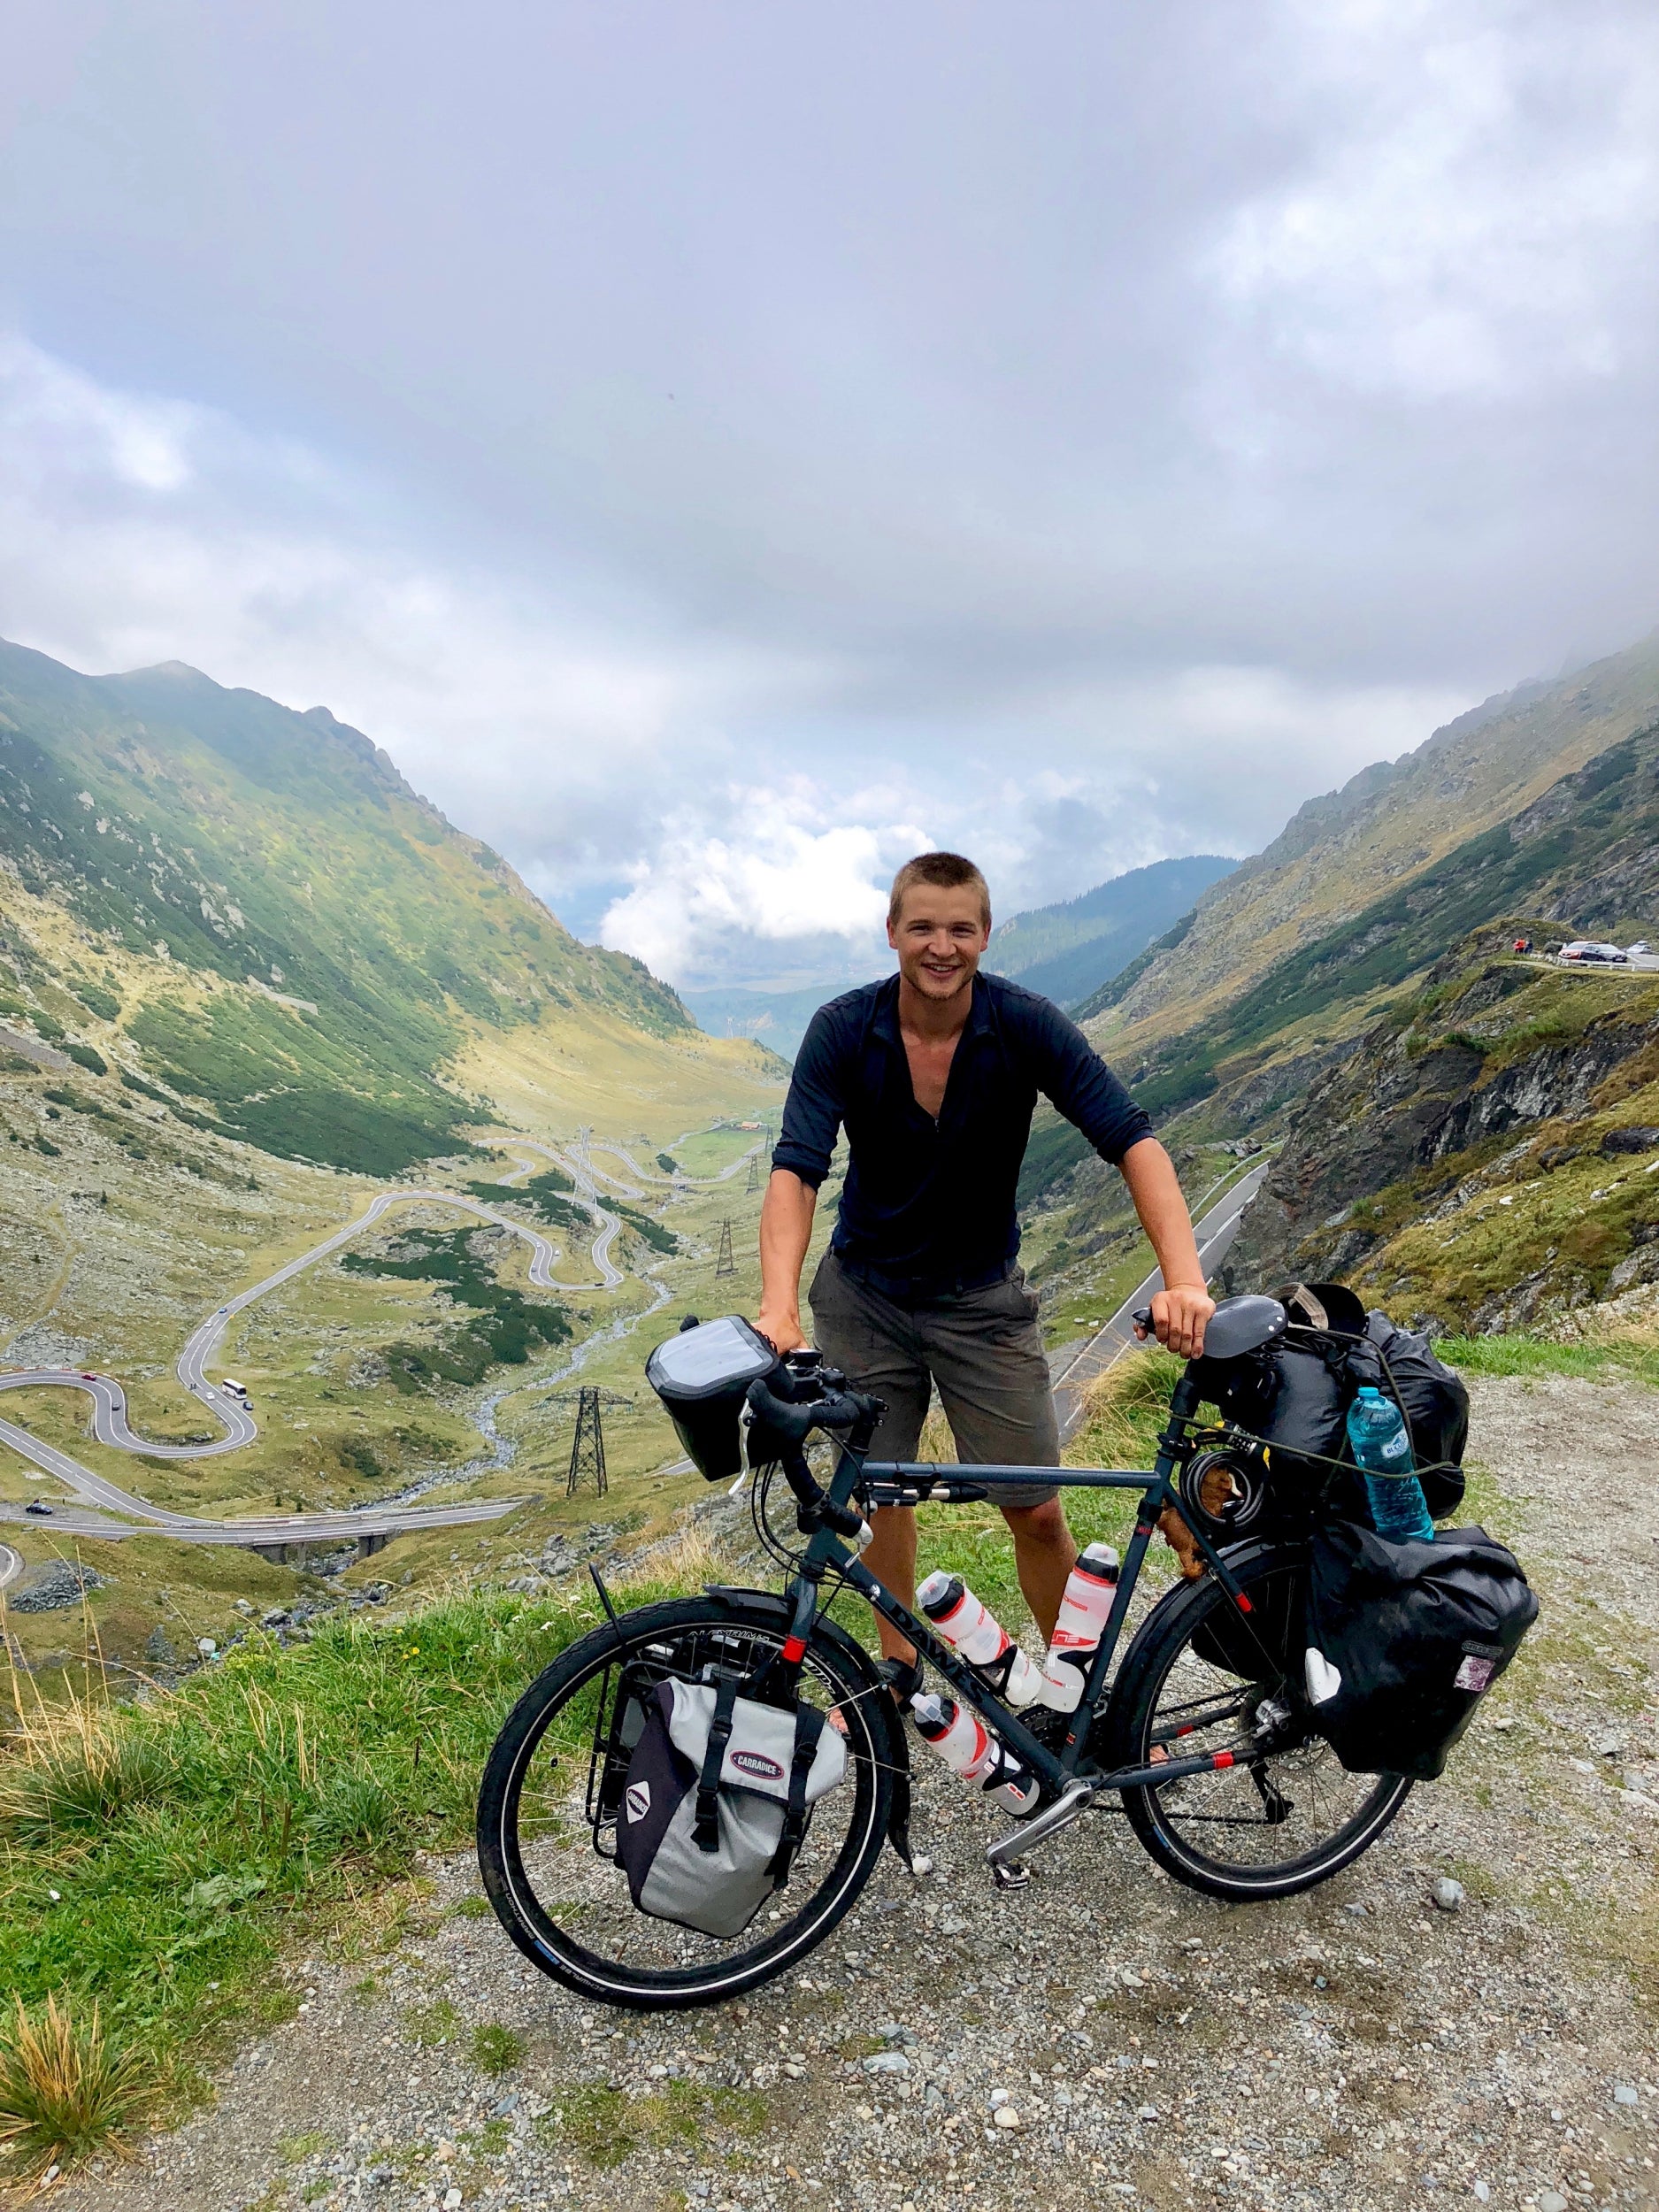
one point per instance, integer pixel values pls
(1295, 1392)
(719, 1793)
(703, 1377)
(1404, 1639)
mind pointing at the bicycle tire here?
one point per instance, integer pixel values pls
(835, 1671)
(1194, 1634)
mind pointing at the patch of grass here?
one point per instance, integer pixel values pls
(504, 1326)
(472, 1908)
(66, 2089)
(432, 2024)
(150, 1852)
(1521, 1355)
(604, 2127)
(497, 2049)
(294, 2149)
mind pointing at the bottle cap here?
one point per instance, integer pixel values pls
(1370, 1390)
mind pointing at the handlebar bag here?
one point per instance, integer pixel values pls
(1403, 1641)
(718, 1795)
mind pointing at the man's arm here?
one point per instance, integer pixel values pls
(1089, 1094)
(786, 1230)
(1180, 1309)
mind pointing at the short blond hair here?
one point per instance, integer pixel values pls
(946, 871)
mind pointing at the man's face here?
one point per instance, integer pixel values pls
(939, 936)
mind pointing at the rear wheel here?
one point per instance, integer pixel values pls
(1202, 1676)
(553, 1783)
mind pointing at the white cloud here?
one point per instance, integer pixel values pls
(1478, 207)
(773, 874)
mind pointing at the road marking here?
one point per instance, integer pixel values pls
(1215, 1233)
(11, 1565)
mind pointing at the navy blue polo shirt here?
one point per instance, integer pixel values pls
(928, 1206)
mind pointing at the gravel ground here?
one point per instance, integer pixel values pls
(1104, 2037)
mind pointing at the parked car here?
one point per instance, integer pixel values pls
(1639, 949)
(1585, 948)
(40, 1507)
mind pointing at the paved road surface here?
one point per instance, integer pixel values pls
(1216, 1231)
(111, 1427)
(11, 1565)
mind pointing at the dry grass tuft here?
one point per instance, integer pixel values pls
(65, 2090)
(1125, 1410)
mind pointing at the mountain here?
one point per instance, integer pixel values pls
(777, 1019)
(250, 908)
(1385, 827)
(1432, 1159)
(1068, 951)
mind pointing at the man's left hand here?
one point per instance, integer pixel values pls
(1179, 1317)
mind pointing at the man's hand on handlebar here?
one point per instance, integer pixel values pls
(781, 1330)
(1177, 1318)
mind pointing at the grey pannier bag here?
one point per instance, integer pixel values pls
(717, 1798)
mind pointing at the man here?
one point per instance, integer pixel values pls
(934, 1074)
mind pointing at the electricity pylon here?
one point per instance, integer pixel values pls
(754, 1174)
(725, 1264)
(588, 1446)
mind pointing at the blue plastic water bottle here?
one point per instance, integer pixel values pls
(1381, 1445)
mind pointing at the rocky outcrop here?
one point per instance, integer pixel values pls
(1439, 1092)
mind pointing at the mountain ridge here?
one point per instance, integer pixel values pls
(1385, 825)
(187, 868)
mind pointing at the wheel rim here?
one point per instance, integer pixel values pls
(1286, 1807)
(570, 1906)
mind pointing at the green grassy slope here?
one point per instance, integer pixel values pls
(1574, 860)
(1357, 848)
(262, 915)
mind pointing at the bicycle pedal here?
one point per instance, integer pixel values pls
(1010, 1873)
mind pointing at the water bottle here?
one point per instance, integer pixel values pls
(1090, 1591)
(969, 1750)
(1381, 1445)
(973, 1633)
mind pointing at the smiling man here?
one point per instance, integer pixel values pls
(934, 1074)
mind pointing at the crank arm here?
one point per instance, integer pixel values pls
(1070, 1805)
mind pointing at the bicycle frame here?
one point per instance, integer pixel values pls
(891, 1482)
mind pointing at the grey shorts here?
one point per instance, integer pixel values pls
(982, 1348)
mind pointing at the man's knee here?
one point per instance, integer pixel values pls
(1040, 1526)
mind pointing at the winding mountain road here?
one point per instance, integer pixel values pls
(11, 1565)
(111, 1427)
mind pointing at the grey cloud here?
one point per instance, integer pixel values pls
(1190, 403)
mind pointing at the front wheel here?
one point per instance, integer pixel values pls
(553, 1783)
(1202, 1676)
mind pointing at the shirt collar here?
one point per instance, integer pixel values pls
(885, 1023)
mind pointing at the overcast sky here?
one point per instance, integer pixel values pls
(718, 448)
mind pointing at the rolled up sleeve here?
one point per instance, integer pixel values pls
(1072, 1075)
(813, 1112)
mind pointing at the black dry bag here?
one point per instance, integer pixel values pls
(1402, 1641)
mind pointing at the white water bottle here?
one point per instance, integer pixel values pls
(975, 1634)
(1089, 1591)
(970, 1750)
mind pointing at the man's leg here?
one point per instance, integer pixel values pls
(1045, 1553)
(984, 1348)
(874, 1343)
